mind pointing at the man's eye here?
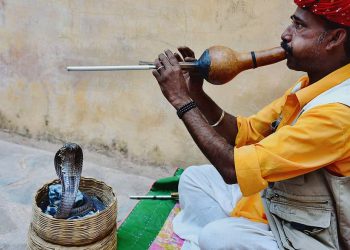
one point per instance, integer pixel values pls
(297, 25)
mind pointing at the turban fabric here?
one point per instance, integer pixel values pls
(337, 11)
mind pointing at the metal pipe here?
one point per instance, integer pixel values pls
(110, 68)
(174, 196)
(143, 66)
(218, 64)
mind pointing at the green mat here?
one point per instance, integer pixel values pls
(147, 218)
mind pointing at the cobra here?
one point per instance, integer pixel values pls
(68, 165)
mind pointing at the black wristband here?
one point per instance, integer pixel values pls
(254, 59)
(187, 107)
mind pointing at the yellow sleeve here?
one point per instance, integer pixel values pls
(250, 207)
(254, 128)
(318, 139)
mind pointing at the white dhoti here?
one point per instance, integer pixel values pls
(204, 221)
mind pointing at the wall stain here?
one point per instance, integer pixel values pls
(46, 120)
(5, 123)
(81, 106)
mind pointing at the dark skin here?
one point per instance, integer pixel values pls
(316, 51)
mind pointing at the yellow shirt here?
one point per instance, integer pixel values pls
(320, 138)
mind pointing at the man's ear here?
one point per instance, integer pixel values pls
(337, 38)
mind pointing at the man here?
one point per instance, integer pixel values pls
(291, 160)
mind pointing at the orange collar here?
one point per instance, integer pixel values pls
(308, 93)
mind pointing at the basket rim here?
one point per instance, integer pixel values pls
(105, 210)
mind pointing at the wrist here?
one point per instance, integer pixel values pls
(185, 108)
(196, 91)
(178, 103)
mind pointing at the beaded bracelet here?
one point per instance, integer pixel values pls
(185, 108)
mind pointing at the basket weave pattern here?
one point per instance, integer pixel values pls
(37, 243)
(76, 232)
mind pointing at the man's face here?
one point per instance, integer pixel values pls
(305, 39)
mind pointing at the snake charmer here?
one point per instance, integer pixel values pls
(279, 179)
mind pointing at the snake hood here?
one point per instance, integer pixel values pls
(68, 165)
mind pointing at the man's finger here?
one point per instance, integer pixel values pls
(178, 57)
(165, 61)
(172, 58)
(157, 63)
(156, 74)
(190, 59)
(186, 51)
(183, 52)
(159, 66)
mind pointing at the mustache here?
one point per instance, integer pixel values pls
(287, 48)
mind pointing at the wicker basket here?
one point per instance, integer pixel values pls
(37, 243)
(76, 232)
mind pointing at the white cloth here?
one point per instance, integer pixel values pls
(204, 221)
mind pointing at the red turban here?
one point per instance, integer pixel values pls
(337, 11)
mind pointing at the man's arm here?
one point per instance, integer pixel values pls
(217, 150)
(227, 128)
(214, 146)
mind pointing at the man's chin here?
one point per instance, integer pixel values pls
(291, 63)
(295, 66)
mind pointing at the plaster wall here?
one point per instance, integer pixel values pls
(125, 112)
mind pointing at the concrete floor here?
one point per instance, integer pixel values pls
(25, 165)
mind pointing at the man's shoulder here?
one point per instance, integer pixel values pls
(338, 94)
(336, 113)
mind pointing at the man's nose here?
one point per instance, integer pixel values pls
(287, 34)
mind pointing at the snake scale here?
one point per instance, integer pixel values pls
(68, 165)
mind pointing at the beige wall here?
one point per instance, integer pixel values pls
(125, 111)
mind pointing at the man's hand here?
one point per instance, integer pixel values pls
(171, 79)
(213, 145)
(193, 79)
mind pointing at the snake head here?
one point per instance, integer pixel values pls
(70, 154)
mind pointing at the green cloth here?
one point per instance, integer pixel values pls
(147, 218)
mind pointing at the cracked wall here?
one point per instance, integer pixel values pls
(125, 111)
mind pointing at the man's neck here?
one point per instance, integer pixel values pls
(319, 74)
